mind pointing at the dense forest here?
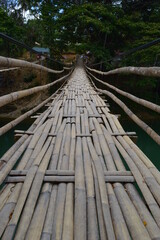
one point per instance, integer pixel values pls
(106, 28)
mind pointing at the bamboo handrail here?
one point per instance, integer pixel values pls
(4, 100)
(143, 71)
(8, 69)
(11, 62)
(136, 119)
(13, 123)
(140, 101)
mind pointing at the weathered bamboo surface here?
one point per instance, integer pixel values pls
(137, 120)
(8, 69)
(143, 71)
(11, 62)
(74, 175)
(11, 97)
(140, 101)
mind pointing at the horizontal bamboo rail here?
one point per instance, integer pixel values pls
(69, 173)
(71, 179)
(8, 69)
(18, 68)
(140, 101)
(21, 132)
(137, 120)
(143, 71)
(15, 122)
(11, 62)
(11, 97)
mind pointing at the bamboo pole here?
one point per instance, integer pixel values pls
(68, 210)
(103, 193)
(148, 177)
(123, 234)
(119, 166)
(9, 232)
(51, 213)
(138, 121)
(8, 209)
(100, 218)
(132, 219)
(32, 198)
(153, 206)
(143, 71)
(5, 194)
(140, 101)
(80, 191)
(9, 69)
(10, 189)
(91, 206)
(145, 215)
(7, 167)
(117, 217)
(13, 123)
(4, 100)
(145, 160)
(48, 225)
(37, 221)
(11, 62)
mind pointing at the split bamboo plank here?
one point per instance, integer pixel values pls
(147, 218)
(32, 198)
(117, 217)
(135, 225)
(80, 230)
(114, 205)
(36, 225)
(154, 208)
(103, 193)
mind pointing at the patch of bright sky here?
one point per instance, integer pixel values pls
(61, 11)
(28, 15)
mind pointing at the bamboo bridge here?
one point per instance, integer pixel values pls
(75, 173)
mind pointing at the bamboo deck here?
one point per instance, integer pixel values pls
(73, 174)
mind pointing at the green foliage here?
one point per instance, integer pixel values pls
(101, 27)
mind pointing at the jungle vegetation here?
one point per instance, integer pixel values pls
(104, 28)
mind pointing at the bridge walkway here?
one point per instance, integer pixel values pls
(76, 174)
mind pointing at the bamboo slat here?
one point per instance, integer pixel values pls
(103, 193)
(80, 191)
(122, 234)
(68, 173)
